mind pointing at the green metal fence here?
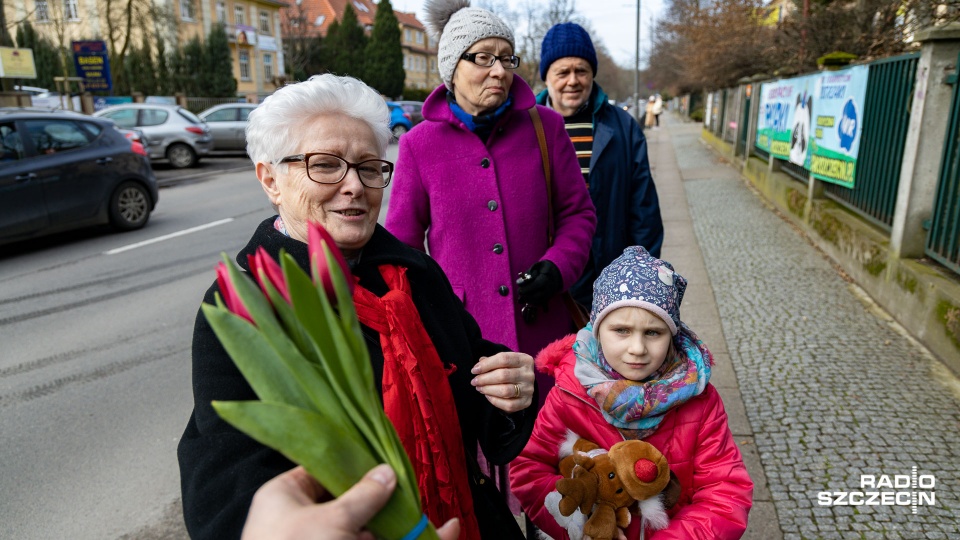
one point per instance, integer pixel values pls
(943, 239)
(886, 117)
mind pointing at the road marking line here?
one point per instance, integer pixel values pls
(167, 236)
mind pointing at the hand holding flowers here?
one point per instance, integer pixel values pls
(309, 366)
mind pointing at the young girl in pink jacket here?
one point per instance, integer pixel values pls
(638, 372)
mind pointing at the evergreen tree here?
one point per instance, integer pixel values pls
(45, 55)
(346, 44)
(192, 76)
(147, 73)
(218, 75)
(383, 62)
(178, 82)
(316, 58)
(164, 84)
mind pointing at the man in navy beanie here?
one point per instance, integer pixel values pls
(612, 152)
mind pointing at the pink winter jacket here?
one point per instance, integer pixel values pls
(716, 491)
(482, 207)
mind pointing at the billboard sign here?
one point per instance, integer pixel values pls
(838, 125)
(17, 63)
(93, 64)
(815, 121)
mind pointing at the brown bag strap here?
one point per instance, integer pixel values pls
(545, 159)
(576, 313)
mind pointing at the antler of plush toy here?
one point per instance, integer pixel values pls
(602, 485)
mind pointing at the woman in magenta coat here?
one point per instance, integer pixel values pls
(469, 180)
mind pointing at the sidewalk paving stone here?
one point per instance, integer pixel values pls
(821, 387)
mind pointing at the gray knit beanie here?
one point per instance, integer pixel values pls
(458, 26)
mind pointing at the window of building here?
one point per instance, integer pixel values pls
(406, 62)
(42, 14)
(186, 10)
(267, 67)
(319, 21)
(265, 23)
(433, 65)
(238, 15)
(70, 10)
(244, 66)
(406, 35)
(419, 37)
(221, 12)
(360, 7)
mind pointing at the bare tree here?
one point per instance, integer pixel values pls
(301, 40)
(121, 18)
(700, 45)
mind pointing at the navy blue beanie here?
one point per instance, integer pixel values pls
(563, 40)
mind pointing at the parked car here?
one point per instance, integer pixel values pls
(170, 132)
(414, 109)
(61, 171)
(228, 125)
(400, 122)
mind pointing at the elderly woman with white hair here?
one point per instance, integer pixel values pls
(318, 148)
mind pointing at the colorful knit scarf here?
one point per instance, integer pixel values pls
(636, 408)
(419, 402)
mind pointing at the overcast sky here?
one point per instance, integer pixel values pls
(614, 22)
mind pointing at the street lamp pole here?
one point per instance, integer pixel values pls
(636, 72)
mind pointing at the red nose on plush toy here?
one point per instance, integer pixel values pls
(646, 470)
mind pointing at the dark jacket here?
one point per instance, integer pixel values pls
(221, 468)
(623, 192)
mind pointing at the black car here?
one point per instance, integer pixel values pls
(61, 170)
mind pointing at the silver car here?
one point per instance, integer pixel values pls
(228, 124)
(169, 131)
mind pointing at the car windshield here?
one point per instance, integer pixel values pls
(190, 116)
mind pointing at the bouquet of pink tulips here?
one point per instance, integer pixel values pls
(297, 342)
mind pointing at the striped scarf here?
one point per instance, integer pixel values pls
(637, 408)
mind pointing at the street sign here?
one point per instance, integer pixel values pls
(93, 64)
(17, 63)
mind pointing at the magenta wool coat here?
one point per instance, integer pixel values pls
(482, 208)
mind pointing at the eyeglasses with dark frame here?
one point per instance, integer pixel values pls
(324, 168)
(485, 59)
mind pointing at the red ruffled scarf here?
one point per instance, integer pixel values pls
(419, 402)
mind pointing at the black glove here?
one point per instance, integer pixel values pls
(538, 284)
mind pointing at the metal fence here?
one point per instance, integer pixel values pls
(200, 104)
(886, 117)
(731, 114)
(943, 239)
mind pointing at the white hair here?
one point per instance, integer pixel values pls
(274, 127)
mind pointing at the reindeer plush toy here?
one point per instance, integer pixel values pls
(599, 487)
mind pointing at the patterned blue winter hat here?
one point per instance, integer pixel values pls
(638, 279)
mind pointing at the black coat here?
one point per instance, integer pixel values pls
(221, 468)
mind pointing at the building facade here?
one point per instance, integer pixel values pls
(310, 18)
(253, 29)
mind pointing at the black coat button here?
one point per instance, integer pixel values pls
(484, 163)
(492, 205)
(503, 290)
(498, 248)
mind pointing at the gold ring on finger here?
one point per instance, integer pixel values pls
(517, 388)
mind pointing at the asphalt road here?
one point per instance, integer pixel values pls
(95, 331)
